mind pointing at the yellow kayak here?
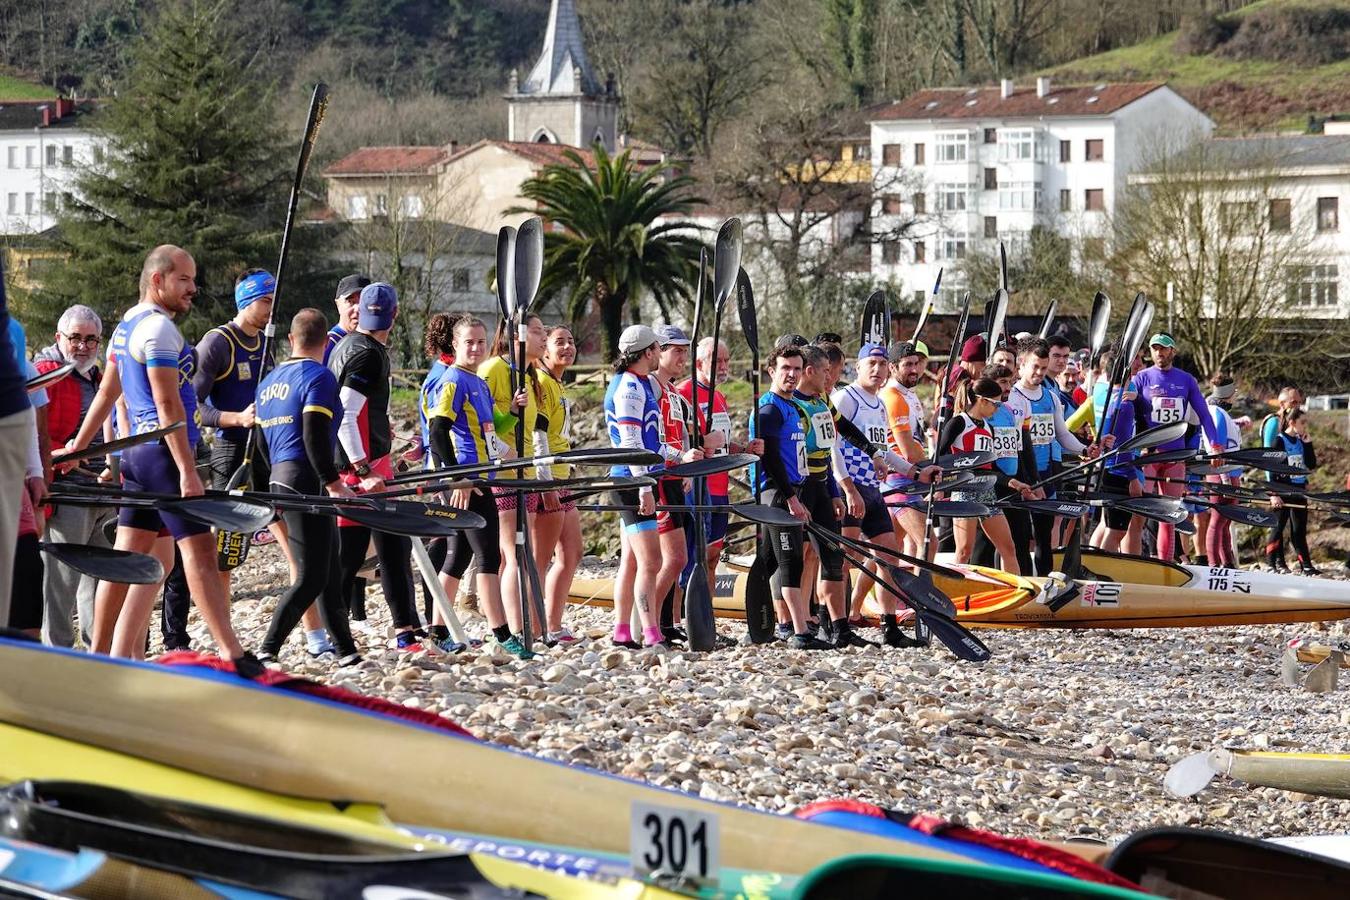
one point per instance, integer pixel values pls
(1174, 597)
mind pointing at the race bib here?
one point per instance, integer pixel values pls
(566, 429)
(1042, 426)
(877, 434)
(1295, 460)
(495, 447)
(823, 425)
(1007, 442)
(1167, 410)
(721, 423)
(801, 458)
(982, 443)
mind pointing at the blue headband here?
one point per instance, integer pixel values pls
(254, 287)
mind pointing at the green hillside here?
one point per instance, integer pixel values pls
(1265, 72)
(17, 89)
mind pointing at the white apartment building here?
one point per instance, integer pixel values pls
(43, 144)
(1296, 187)
(975, 166)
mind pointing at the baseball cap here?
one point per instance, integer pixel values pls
(921, 348)
(671, 336)
(376, 307)
(900, 349)
(829, 337)
(637, 337)
(794, 340)
(1162, 339)
(973, 349)
(254, 287)
(872, 351)
(351, 284)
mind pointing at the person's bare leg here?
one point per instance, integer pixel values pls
(674, 554)
(510, 572)
(111, 595)
(1134, 536)
(1000, 535)
(647, 560)
(566, 556)
(624, 581)
(964, 533)
(199, 558)
(133, 622)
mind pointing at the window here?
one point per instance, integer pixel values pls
(1313, 286)
(1065, 200)
(1065, 151)
(1239, 218)
(890, 154)
(991, 226)
(12, 205)
(1016, 144)
(991, 179)
(920, 204)
(52, 150)
(953, 249)
(98, 154)
(29, 204)
(890, 253)
(459, 280)
(13, 157)
(1019, 195)
(1094, 248)
(1328, 218)
(1279, 215)
(953, 146)
(410, 206)
(1092, 150)
(991, 135)
(862, 151)
(918, 155)
(890, 205)
(356, 206)
(30, 157)
(951, 198)
(67, 155)
(381, 204)
(1094, 200)
(920, 252)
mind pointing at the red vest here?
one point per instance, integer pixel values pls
(64, 412)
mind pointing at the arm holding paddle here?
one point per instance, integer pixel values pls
(349, 437)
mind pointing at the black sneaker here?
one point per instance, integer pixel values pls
(626, 645)
(249, 666)
(847, 637)
(674, 633)
(807, 642)
(894, 637)
(350, 660)
(1307, 568)
(722, 642)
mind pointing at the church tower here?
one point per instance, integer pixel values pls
(561, 101)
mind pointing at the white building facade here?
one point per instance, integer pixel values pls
(984, 165)
(43, 146)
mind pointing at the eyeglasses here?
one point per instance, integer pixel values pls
(90, 341)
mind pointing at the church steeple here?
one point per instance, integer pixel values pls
(563, 61)
(560, 100)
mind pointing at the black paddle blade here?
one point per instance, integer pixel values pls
(529, 262)
(1066, 508)
(1246, 515)
(1047, 320)
(972, 460)
(1181, 454)
(1160, 509)
(875, 320)
(1097, 324)
(997, 312)
(952, 509)
(59, 456)
(1152, 437)
(1002, 267)
(759, 613)
(107, 564)
(698, 608)
(745, 311)
(922, 594)
(423, 520)
(47, 379)
(506, 271)
(726, 260)
(764, 515)
(226, 513)
(713, 465)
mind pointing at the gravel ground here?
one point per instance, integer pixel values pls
(1062, 734)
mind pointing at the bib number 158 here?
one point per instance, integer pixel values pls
(671, 841)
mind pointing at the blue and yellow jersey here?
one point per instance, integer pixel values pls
(147, 339)
(295, 387)
(465, 400)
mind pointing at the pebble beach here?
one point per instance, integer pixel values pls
(1062, 735)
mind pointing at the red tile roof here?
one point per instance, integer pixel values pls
(539, 153)
(389, 161)
(985, 102)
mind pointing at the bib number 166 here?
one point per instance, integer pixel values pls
(670, 841)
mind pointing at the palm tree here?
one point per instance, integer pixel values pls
(610, 248)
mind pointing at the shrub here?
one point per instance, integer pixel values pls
(1299, 35)
(1202, 35)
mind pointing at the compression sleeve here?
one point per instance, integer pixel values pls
(853, 434)
(1197, 401)
(1309, 456)
(213, 363)
(315, 432)
(349, 430)
(951, 430)
(768, 425)
(442, 447)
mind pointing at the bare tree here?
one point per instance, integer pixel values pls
(1213, 220)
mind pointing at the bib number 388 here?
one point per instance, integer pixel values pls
(669, 841)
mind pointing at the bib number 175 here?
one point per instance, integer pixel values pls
(670, 841)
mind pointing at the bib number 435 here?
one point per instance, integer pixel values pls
(669, 841)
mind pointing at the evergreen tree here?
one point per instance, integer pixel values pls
(193, 159)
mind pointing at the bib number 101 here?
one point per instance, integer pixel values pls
(668, 841)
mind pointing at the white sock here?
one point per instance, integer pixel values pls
(317, 640)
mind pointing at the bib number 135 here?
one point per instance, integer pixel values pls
(668, 841)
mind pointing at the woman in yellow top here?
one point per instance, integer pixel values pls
(560, 534)
(508, 409)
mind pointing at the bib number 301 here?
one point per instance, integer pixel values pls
(665, 840)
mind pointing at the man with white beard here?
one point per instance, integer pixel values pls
(78, 335)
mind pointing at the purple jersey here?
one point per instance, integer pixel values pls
(1171, 396)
